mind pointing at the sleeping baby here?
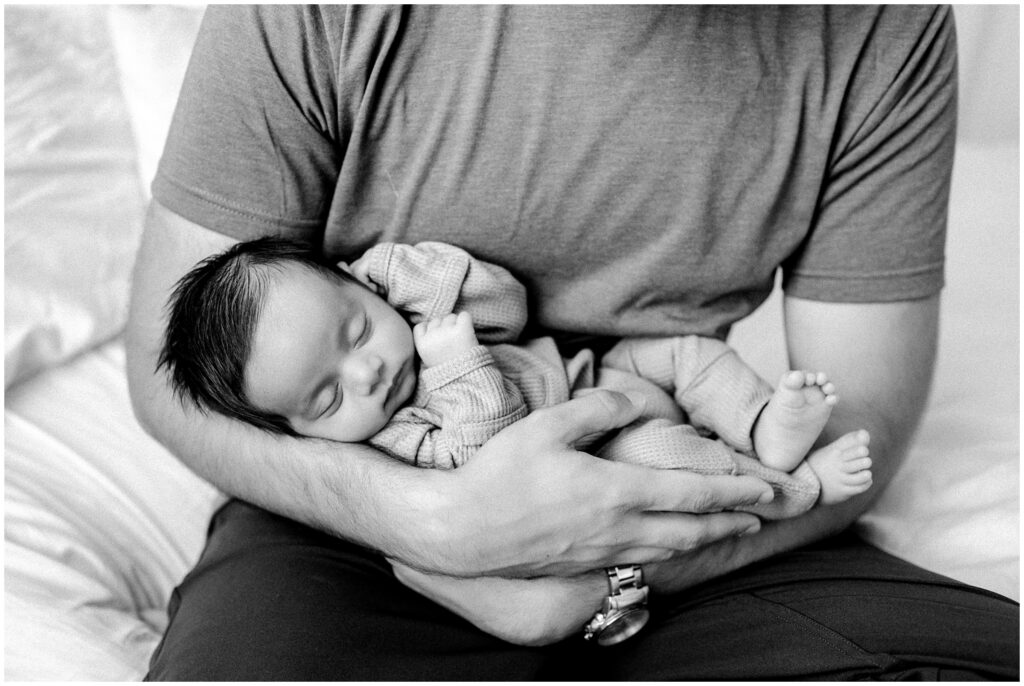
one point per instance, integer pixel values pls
(416, 350)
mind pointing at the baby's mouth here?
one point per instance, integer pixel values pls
(396, 384)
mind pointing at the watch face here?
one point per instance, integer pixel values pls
(622, 627)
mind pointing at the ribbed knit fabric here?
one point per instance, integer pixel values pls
(459, 405)
(432, 279)
(715, 388)
(660, 444)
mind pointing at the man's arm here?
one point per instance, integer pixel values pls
(526, 505)
(880, 356)
(298, 479)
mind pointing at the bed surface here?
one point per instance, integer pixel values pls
(101, 522)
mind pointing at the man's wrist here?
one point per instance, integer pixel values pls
(711, 561)
(550, 618)
(623, 611)
(434, 543)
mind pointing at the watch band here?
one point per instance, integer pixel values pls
(624, 612)
(624, 577)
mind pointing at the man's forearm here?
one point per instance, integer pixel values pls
(728, 555)
(881, 357)
(351, 491)
(888, 446)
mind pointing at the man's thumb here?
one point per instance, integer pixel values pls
(593, 411)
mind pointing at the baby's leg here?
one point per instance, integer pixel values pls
(843, 467)
(793, 419)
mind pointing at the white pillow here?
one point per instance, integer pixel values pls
(73, 202)
(153, 44)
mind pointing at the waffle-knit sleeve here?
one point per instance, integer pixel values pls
(459, 406)
(432, 279)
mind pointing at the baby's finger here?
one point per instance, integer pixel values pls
(423, 329)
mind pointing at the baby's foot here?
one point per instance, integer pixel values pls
(843, 467)
(793, 419)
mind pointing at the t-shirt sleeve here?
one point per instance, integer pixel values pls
(880, 229)
(254, 145)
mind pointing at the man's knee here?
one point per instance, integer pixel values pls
(271, 599)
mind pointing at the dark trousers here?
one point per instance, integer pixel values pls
(271, 599)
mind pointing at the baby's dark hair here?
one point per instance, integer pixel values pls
(213, 312)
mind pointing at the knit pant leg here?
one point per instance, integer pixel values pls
(709, 381)
(661, 444)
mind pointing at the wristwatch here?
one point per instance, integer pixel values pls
(624, 612)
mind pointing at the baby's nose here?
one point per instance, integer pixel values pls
(363, 372)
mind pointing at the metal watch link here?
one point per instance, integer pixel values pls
(624, 611)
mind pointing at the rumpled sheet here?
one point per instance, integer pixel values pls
(73, 201)
(100, 524)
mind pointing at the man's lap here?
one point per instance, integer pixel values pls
(840, 609)
(272, 599)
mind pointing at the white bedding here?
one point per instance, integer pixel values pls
(101, 522)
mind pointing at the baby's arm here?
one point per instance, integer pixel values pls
(463, 399)
(432, 279)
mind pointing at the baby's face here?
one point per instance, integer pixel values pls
(330, 356)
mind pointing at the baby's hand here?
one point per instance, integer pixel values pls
(361, 270)
(442, 339)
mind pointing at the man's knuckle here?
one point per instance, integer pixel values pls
(616, 497)
(540, 418)
(703, 500)
(662, 555)
(608, 400)
(687, 540)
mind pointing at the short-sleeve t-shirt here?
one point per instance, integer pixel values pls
(643, 170)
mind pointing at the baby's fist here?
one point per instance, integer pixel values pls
(442, 339)
(360, 269)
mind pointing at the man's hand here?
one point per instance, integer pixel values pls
(881, 355)
(444, 338)
(529, 612)
(528, 504)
